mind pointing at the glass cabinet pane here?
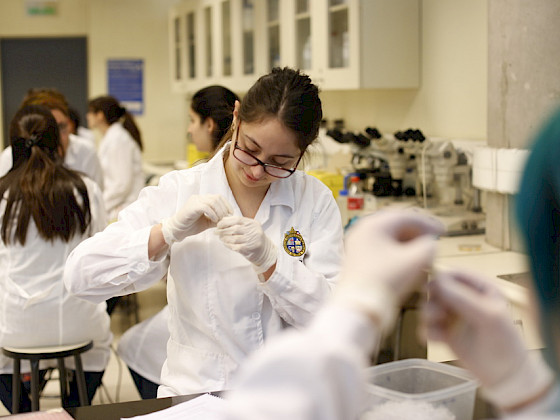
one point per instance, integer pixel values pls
(273, 10)
(177, 46)
(191, 45)
(248, 25)
(303, 35)
(208, 35)
(226, 37)
(339, 48)
(336, 2)
(273, 34)
(302, 6)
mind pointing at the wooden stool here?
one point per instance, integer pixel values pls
(34, 355)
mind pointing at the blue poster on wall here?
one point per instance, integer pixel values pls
(125, 79)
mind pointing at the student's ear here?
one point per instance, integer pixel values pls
(236, 112)
(210, 125)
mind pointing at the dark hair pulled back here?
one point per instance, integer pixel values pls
(38, 186)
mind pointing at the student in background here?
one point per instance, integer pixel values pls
(143, 347)
(120, 153)
(78, 153)
(47, 209)
(249, 244)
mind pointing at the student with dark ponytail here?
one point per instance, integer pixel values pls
(46, 210)
(120, 152)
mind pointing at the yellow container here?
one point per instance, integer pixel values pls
(333, 180)
(194, 155)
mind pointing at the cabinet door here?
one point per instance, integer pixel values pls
(176, 49)
(338, 53)
(273, 34)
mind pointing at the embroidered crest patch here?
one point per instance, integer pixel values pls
(294, 244)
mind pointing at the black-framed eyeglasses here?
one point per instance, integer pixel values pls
(248, 159)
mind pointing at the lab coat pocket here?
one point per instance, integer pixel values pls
(190, 368)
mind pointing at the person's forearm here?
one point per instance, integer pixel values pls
(156, 243)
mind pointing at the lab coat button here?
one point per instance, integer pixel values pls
(142, 267)
(256, 316)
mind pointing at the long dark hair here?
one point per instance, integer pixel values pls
(113, 112)
(216, 102)
(38, 186)
(289, 96)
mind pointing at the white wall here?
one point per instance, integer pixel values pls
(451, 101)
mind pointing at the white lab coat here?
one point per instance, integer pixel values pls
(80, 156)
(121, 161)
(219, 310)
(143, 347)
(319, 374)
(36, 310)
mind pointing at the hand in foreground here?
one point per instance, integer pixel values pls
(470, 314)
(246, 236)
(386, 255)
(199, 213)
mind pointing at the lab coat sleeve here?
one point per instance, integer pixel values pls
(118, 172)
(115, 262)
(313, 374)
(297, 289)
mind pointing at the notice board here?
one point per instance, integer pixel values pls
(126, 83)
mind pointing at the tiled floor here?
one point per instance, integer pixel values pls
(117, 382)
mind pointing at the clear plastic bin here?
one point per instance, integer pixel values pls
(420, 380)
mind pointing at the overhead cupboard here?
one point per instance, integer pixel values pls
(341, 44)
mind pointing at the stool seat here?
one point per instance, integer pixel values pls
(35, 355)
(47, 352)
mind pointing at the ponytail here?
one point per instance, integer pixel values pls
(38, 186)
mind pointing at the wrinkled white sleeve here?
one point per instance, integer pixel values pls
(313, 374)
(115, 262)
(297, 290)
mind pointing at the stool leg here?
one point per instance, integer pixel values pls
(16, 386)
(81, 381)
(63, 380)
(34, 385)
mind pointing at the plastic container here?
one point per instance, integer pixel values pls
(423, 381)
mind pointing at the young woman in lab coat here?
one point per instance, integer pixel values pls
(250, 245)
(143, 347)
(46, 211)
(120, 153)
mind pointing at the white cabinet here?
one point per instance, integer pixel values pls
(365, 44)
(341, 44)
(214, 42)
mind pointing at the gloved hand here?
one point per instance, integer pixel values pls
(386, 254)
(199, 213)
(470, 314)
(246, 236)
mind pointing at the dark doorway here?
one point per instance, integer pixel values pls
(59, 63)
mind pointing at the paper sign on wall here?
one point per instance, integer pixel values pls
(125, 78)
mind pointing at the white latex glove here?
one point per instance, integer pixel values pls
(246, 236)
(470, 314)
(199, 213)
(386, 254)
